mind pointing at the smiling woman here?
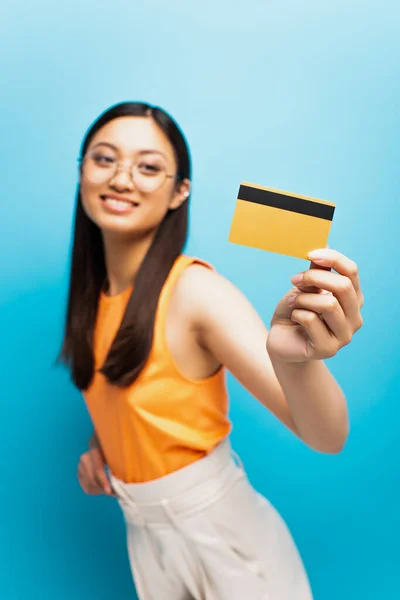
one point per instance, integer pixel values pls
(149, 335)
(113, 212)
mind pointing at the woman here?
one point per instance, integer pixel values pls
(149, 334)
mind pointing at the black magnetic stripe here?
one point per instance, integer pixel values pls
(297, 205)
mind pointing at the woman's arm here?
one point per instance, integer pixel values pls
(303, 395)
(317, 404)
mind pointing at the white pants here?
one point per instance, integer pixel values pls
(204, 533)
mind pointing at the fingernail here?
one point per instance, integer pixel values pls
(319, 254)
(292, 299)
(297, 279)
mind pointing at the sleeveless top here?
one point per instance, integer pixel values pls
(163, 421)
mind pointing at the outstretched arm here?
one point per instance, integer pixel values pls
(284, 368)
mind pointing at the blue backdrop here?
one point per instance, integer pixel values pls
(302, 96)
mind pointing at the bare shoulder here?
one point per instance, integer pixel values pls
(203, 293)
(198, 283)
(197, 277)
(193, 288)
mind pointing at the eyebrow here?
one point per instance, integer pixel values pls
(146, 151)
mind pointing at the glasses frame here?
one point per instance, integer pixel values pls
(120, 166)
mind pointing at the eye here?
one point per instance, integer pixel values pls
(149, 169)
(102, 159)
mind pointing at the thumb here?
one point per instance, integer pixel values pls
(102, 478)
(283, 310)
(100, 473)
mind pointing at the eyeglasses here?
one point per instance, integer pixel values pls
(148, 173)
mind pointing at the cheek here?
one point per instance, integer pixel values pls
(157, 206)
(89, 199)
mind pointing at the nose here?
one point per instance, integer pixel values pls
(122, 181)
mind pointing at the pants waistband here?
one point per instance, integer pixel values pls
(180, 493)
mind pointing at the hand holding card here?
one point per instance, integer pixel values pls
(322, 312)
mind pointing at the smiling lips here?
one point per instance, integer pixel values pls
(118, 204)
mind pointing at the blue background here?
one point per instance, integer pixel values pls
(302, 96)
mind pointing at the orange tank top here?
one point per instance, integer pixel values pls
(163, 421)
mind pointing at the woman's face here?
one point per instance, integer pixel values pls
(127, 180)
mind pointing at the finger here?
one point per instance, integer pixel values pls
(100, 472)
(101, 477)
(88, 483)
(320, 341)
(94, 490)
(329, 309)
(339, 285)
(87, 464)
(87, 471)
(343, 265)
(83, 481)
(313, 289)
(314, 265)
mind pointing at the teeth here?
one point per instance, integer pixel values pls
(117, 203)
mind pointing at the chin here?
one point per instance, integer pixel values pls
(124, 228)
(108, 226)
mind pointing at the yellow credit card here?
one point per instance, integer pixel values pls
(279, 221)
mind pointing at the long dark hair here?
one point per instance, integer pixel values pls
(131, 347)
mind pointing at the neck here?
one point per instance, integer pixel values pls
(123, 259)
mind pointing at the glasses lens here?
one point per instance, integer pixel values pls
(100, 165)
(149, 174)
